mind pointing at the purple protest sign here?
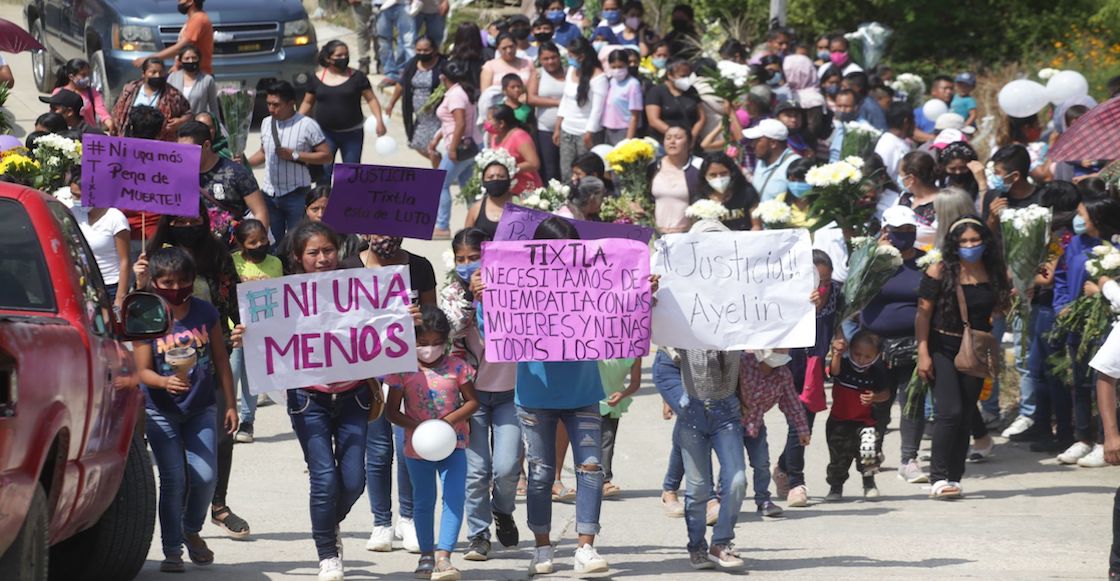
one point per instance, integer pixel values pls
(566, 300)
(375, 199)
(140, 174)
(519, 223)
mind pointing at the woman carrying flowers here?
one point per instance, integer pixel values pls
(497, 168)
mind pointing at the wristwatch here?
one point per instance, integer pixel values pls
(295, 156)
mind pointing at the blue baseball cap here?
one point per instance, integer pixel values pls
(967, 79)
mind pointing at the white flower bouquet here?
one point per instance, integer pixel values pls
(1026, 239)
(56, 156)
(911, 88)
(549, 198)
(837, 196)
(1089, 317)
(706, 210)
(870, 266)
(774, 214)
(453, 302)
(860, 138)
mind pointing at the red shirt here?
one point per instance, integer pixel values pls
(847, 387)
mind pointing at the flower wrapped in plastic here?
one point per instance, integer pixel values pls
(1089, 317)
(860, 138)
(56, 155)
(774, 214)
(837, 195)
(1026, 242)
(627, 209)
(549, 198)
(706, 210)
(237, 114)
(629, 161)
(910, 87)
(870, 266)
(868, 43)
(19, 166)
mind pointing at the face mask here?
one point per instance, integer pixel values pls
(823, 55)
(426, 57)
(903, 241)
(659, 62)
(176, 297)
(612, 16)
(680, 24)
(429, 353)
(555, 16)
(998, 184)
(543, 36)
(341, 63)
(386, 247)
(599, 45)
(620, 74)
(839, 59)
(823, 290)
(1032, 134)
(489, 128)
(798, 189)
(832, 90)
(184, 8)
(861, 368)
(848, 117)
(188, 236)
(775, 360)
(720, 184)
(973, 254)
(965, 181)
(683, 83)
(572, 62)
(1079, 225)
(256, 254)
(496, 188)
(156, 83)
(633, 22)
(520, 33)
(190, 67)
(82, 82)
(775, 80)
(466, 271)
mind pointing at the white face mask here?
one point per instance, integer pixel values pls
(620, 74)
(683, 83)
(773, 359)
(720, 184)
(429, 353)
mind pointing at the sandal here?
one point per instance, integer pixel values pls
(236, 527)
(610, 490)
(424, 567)
(445, 571)
(197, 550)
(172, 565)
(945, 490)
(561, 493)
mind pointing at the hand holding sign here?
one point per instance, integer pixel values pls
(140, 174)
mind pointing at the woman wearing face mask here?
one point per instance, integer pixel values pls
(673, 182)
(675, 102)
(505, 132)
(505, 62)
(339, 90)
(75, 76)
(152, 90)
(579, 120)
(496, 185)
(797, 190)
(198, 87)
(457, 141)
(419, 79)
(564, 32)
(822, 54)
(545, 90)
(721, 181)
(216, 283)
(830, 83)
(960, 167)
(611, 16)
(917, 176)
(634, 31)
(971, 263)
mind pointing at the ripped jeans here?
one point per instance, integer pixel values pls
(584, 427)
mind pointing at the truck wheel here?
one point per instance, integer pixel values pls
(42, 63)
(27, 557)
(115, 548)
(100, 77)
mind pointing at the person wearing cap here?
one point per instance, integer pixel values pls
(890, 314)
(942, 88)
(894, 142)
(69, 105)
(770, 139)
(963, 103)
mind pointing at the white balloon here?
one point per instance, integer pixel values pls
(370, 125)
(433, 440)
(1065, 85)
(1022, 98)
(934, 108)
(385, 145)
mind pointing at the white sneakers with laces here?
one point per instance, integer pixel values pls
(541, 563)
(380, 540)
(1075, 452)
(406, 532)
(588, 560)
(1094, 459)
(331, 570)
(1020, 425)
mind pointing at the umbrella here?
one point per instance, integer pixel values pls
(1096, 135)
(16, 39)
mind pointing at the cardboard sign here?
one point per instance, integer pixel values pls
(566, 300)
(140, 174)
(519, 223)
(327, 327)
(735, 290)
(393, 201)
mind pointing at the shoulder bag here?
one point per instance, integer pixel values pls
(315, 171)
(979, 352)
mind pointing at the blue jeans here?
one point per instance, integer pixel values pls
(495, 421)
(457, 171)
(186, 450)
(1028, 386)
(395, 50)
(584, 427)
(434, 25)
(1053, 396)
(286, 211)
(990, 406)
(758, 452)
(707, 426)
(667, 380)
(349, 142)
(379, 472)
(241, 384)
(331, 429)
(452, 472)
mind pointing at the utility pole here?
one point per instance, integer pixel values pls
(778, 10)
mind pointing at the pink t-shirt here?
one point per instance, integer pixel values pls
(500, 68)
(526, 180)
(431, 393)
(457, 98)
(93, 111)
(670, 199)
(623, 98)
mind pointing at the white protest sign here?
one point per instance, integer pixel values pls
(326, 327)
(734, 290)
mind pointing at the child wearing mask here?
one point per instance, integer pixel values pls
(624, 105)
(859, 379)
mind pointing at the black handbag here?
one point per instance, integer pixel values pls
(900, 351)
(466, 149)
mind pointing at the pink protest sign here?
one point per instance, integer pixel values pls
(566, 300)
(140, 174)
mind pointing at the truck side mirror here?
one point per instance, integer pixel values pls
(143, 316)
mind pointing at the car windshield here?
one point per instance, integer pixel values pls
(24, 281)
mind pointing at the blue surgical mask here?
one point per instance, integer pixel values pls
(555, 16)
(973, 254)
(466, 271)
(612, 16)
(599, 45)
(998, 184)
(1079, 225)
(573, 62)
(775, 80)
(659, 62)
(799, 189)
(823, 55)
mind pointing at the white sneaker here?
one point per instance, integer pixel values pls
(406, 532)
(331, 570)
(1074, 453)
(380, 540)
(588, 560)
(1020, 425)
(1094, 459)
(541, 563)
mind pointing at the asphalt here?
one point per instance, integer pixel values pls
(1024, 517)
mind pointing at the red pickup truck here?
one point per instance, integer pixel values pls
(77, 492)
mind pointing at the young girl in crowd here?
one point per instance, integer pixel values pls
(858, 381)
(623, 109)
(443, 389)
(253, 262)
(621, 379)
(181, 406)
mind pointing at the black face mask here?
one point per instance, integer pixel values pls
(156, 83)
(496, 188)
(680, 24)
(965, 181)
(846, 117)
(190, 67)
(519, 33)
(425, 57)
(341, 63)
(543, 36)
(188, 236)
(185, 8)
(257, 254)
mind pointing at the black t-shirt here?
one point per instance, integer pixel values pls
(683, 109)
(1014, 203)
(420, 272)
(228, 183)
(980, 300)
(339, 108)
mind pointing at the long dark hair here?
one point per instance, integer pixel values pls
(468, 43)
(740, 188)
(555, 228)
(1104, 213)
(210, 255)
(504, 113)
(70, 67)
(993, 261)
(302, 235)
(921, 166)
(327, 50)
(1062, 198)
(458, 72)
(581, 46)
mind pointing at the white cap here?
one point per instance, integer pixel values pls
(899, 216)
(768, 128)
(947, 136)
(951, 120)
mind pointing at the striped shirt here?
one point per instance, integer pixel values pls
(298, 133)
(710, 375)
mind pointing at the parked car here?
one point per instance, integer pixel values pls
(256, 42)
(77, 490)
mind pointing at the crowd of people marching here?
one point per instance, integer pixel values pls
(528, 100)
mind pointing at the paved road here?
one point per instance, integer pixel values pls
(1025, 516)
